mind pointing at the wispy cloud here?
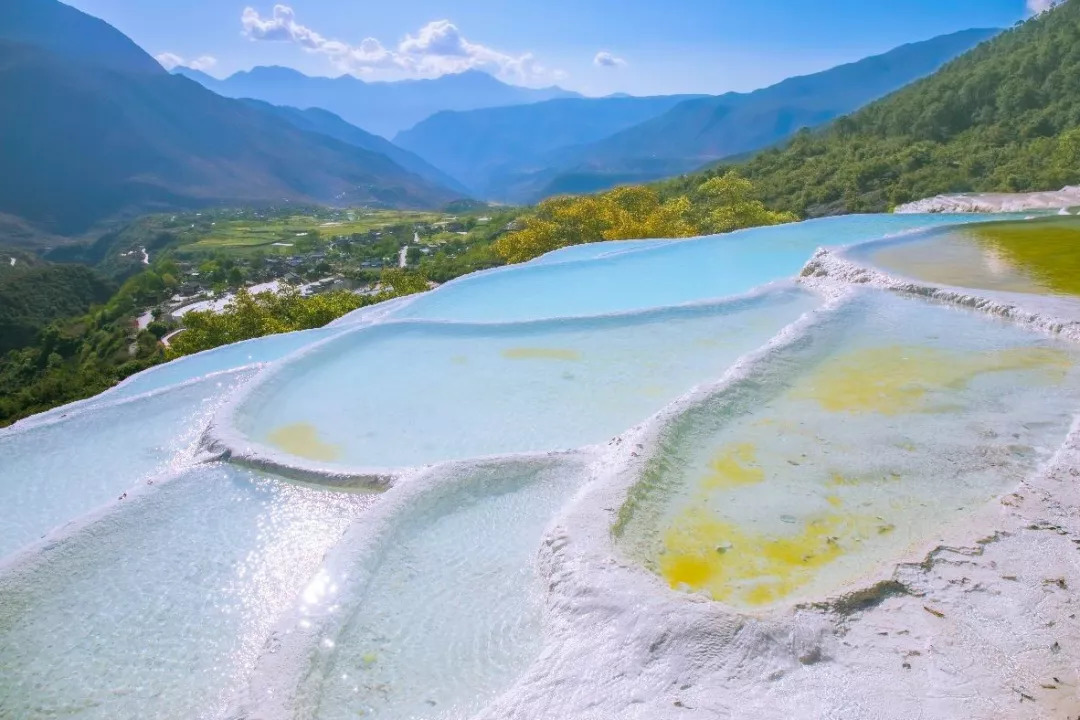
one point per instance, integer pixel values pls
(171, 61)
(436, 49)
(1040, 6)
(606, 59)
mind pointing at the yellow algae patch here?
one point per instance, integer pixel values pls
(1041, 256)
(539, 353)
(459, 360)
(1048, 250)
(838, 480)
(653, 390)
(955, 260)
(732, 466)
(302, 440)
(896, 379)
(751, 569)
(784, 426)
(1051, 362)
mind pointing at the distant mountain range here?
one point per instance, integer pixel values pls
(525, 153)
(480, 148)
(383, 108)
(324, 122)
(102, 132)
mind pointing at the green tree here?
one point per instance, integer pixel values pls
(716, 204)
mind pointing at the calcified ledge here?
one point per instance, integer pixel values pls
(828, 270)
(1068, 196)
(973, 624)
(290, 666)
(978, 623)
(286, 664)
(223, 440)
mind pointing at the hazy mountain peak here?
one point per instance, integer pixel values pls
(383, 107)
(270, 73)
(73, 35)
(192, 74)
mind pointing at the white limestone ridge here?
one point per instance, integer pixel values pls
(1064, 198)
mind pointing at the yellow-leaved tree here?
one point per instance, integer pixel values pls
(636, 212)
(730, 202)
(720, 204)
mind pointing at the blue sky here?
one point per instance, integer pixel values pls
(650, 47)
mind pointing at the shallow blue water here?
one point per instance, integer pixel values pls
(158, 610)
(573, 282)
(161, 606)
(260, 350)
(57, 471)
(591, 251)
(410, 393)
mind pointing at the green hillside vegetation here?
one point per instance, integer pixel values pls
(524, 154)
(33, 297)
(719, 204)
(250, 316)
(81, 356)
(14, 261)
(1003, 117)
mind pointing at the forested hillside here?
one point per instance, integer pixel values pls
(1005, 116)
(32, 297)
(697, 132)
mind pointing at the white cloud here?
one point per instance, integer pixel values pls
(281, 26)
(171, 61)
(1040, 6)
(606, 59)
(436, 49)
(203, 63)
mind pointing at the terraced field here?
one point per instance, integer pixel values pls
(283, 234)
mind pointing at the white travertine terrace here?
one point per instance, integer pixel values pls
(1066, 197)
(493, 588)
